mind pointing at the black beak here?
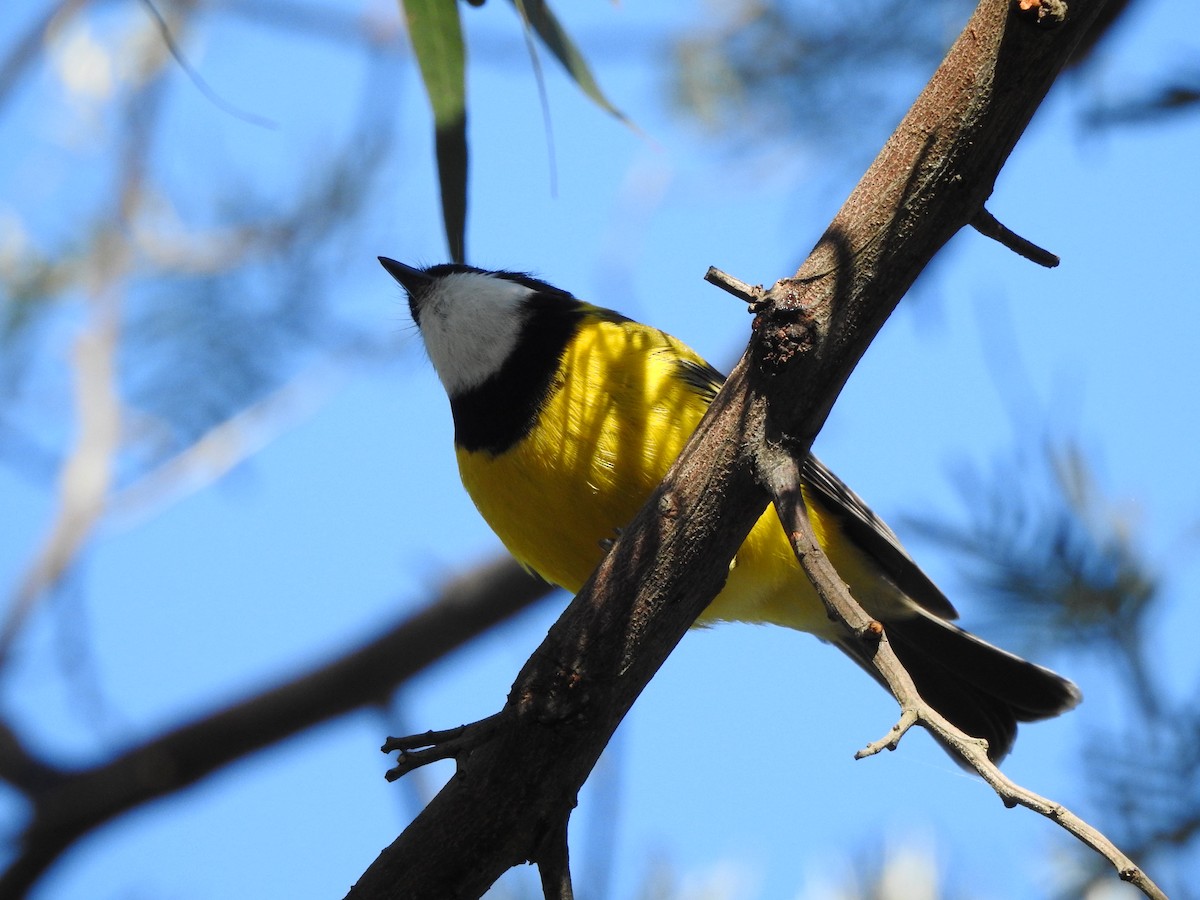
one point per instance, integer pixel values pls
(411, 279)
(414, 281)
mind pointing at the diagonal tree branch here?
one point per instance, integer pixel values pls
(783, 476)
(930, 180)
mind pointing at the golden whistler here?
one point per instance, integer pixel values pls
(566, 417)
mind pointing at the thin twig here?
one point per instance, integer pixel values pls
(164, 32)
(418, 750)
(751, 294)
(989, 226)
(553, 864)
(539, 78)
(781, 475)
(86, 475)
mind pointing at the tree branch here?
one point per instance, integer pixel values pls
(931, 179)
(86, 474)
(782, 474)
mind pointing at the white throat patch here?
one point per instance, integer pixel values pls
(471, 322)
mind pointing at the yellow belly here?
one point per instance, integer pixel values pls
(588, 466)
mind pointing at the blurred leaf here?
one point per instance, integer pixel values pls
(772, 70)
(1162, 101)
(550, 30)
(435, 30)
(451, 144)
(436, 34)
(760, 72)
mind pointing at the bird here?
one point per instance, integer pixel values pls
(566, 417)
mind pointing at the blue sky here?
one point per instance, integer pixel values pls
(736, 766)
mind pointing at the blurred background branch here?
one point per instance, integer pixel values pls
(69, 804)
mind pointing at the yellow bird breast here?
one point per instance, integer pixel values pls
(618, 415)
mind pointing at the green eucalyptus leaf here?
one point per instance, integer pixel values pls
(435, 30)
(547, 27)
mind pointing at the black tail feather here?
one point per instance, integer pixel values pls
(983, 690)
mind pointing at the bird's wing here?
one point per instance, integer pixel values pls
(873, 537)
(866, 530)
(698, 374)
